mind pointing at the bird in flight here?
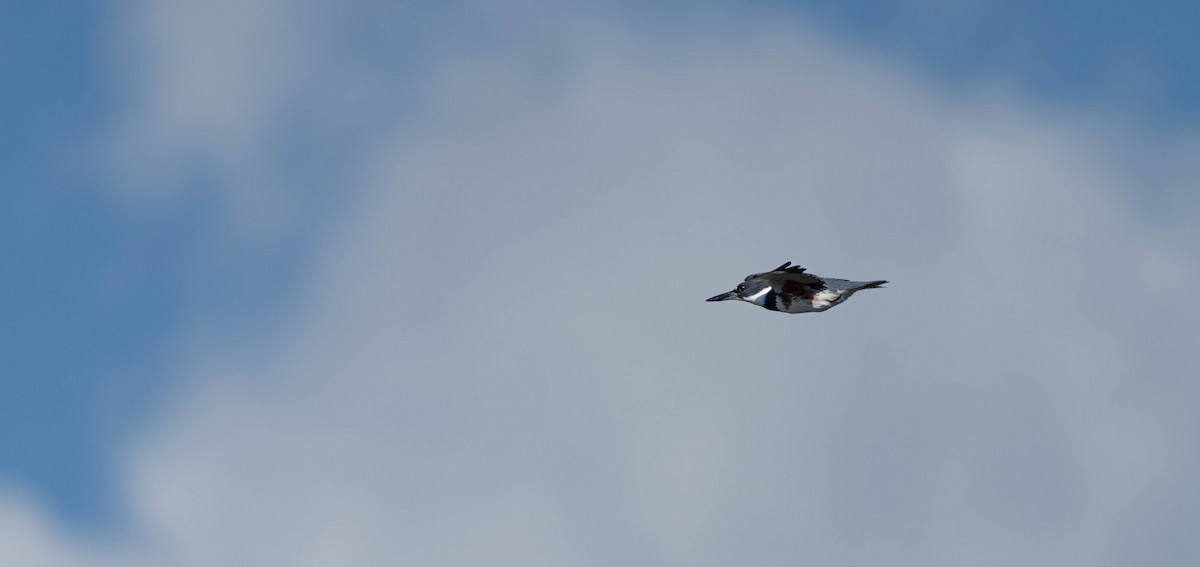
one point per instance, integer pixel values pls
(790, 289)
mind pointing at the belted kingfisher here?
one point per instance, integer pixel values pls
(791, 290)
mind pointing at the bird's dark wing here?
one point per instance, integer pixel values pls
(791, 282)
(790, 287)
(788, 276)
(786, 268)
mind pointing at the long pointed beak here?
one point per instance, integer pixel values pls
(723, 296)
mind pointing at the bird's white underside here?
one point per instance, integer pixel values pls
(825, 299)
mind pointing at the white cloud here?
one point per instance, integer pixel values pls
(215, 94)
(503, 356)
(31, 538)
(26, 540)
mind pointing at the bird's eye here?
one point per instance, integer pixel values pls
(741, 288)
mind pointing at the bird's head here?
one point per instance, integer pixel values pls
(753, 290)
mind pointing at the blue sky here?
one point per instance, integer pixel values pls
(102, 294)
(1134, 55)
(121, 280)
(59, 236)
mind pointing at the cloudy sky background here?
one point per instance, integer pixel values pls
(369, 283)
